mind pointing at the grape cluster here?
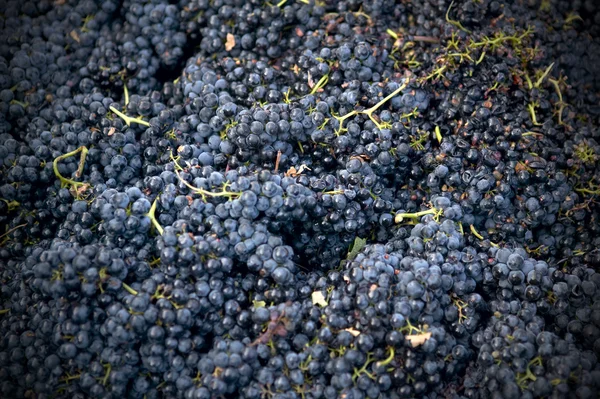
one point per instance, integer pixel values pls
(299, 199)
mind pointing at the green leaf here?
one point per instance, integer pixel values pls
(259, 304)
(357, 246)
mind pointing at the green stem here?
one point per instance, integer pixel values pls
(203, 193)
(475, 232)
(151, 214)
(391, 95)
(401, 216)
(129, 289)
(128, 120)
(341, 120)
(389, 359)
(4, 311)
(541, 79)
(83, 150)
(458, 24)
(320, 84)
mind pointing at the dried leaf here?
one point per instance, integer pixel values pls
(277, 161)
(352, 331)
(319, 299)
(230, 42)
(418, 339)
(293, 172)
(520, 166)
(111, 131)
(311, 82)
(299, 32)
(79, 191)
(74, 36)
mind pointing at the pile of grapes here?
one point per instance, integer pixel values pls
(299, 199)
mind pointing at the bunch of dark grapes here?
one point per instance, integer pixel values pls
(299, 199)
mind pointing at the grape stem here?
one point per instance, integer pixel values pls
(203, 193)
(129, 289)
(152, 215)
(128, 120)
(13, 229)
(64, 182)
(401, 216)
(369, 112)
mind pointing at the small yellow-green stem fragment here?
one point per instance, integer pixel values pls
(438, 134)
(475, 232)
(129, 289)
(320, 84)
(480, 59)
(151, 215)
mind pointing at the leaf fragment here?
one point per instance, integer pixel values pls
(319, 299)
(357, 246)
(293, 172)
(352, 331)
(311, 82)
(229, 42)
(74, 35)
(259, 304)
(418, 339)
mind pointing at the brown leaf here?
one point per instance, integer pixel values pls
(277, 161)
(311, 82)
(520, 166)
(74, 36)
(293, 172)
(111, 131)
(80, 190)
(230, 42)
(418, 339)
(296, 69)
